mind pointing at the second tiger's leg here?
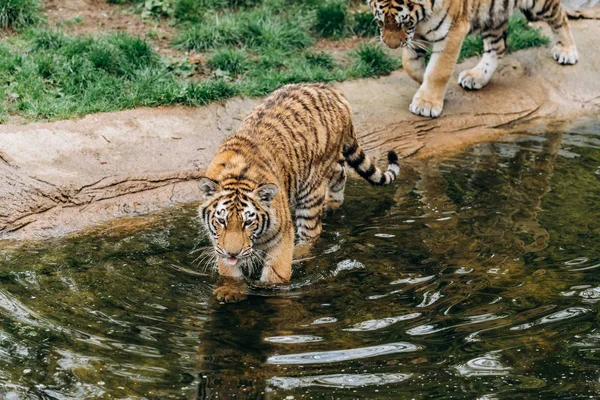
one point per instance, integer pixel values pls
(551, 11)
(494, 47)
(413, 62)
(429, 99)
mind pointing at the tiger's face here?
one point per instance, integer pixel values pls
(236, 218)
(397, 19)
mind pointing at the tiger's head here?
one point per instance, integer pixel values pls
(236, 216)
(397, 19)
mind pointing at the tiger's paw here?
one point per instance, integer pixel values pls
(473, 79)
(565, 55)
(302, 251)
(426, 106)
(230, 293)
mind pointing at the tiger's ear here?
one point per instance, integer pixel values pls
(265, 193)
(209, 187)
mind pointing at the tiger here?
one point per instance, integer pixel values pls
(416, 24)
(288, 158)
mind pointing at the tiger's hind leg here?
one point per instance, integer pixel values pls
(551, 11)
(494, 48)
(336, 186)
(309, 213)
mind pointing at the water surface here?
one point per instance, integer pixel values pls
(473, 277)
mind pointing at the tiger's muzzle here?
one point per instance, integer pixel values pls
(394, 36)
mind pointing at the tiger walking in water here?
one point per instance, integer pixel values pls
(288, 157)
(415, 24)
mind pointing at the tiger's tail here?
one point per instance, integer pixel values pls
(364, 165)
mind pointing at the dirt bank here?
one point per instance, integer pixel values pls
(64, 176)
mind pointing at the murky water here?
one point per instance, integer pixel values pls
(475, 277)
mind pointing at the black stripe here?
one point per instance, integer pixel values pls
(311, 218)
(355, 162)
(439, 24)
(370, 172)
(349, 149)
(497, 40)
(313, 203)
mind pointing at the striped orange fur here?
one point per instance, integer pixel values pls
(288, 157)
(416, 24)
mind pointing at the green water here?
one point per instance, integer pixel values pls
(474, 277)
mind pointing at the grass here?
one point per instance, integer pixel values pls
(19, 14)
(233, 61)
(51, 75)
(249, 48)
(331, 18)
(259, 28)
(58, 76)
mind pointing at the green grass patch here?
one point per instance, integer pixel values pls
(232, 61)
(19, 14)
(258, 28)
(58, 76)
(332, 18)
(251, 47)
(373, 60)
(363, 24)
(48, 74)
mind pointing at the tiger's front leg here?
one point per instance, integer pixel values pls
(278, 259)
(413, 62)
(429, 99)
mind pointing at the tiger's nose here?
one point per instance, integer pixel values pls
(233, 253)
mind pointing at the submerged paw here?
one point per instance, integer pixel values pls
(565, 55)
(230, 294)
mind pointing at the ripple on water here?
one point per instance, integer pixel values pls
(10, 391)
(145, 351)
(591, 294)
(412, 281)
(139, 373)
(325, 357)
(576, 261)
(562, 315)
(69, 360)
(347, 265)
(324, 320)
(337, 380)
(376, 324)
(20, 312)
(293, 339)
(430, 298)
(487, 365)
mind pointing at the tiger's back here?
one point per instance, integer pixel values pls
(301, 129)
